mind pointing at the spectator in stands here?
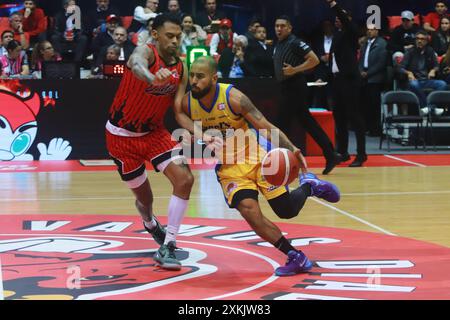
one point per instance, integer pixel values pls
(121, 40)
(421, 66)
(16, 25)
(97, 17)
(7, 37)
(145, 37)
(444, 67)
(237, 68)
(15, 62)
(372, 66)
(34, 21)
(68, 33)
(347, 85)
(105, 39)
(259, 56)
(431, 22)
(255, 23)
(112, 55)
(173, 7)
(403, 36)
(193, 34)
(206, 18)
(143, 14)
(441, 38)
(43, 51)
(223, 39)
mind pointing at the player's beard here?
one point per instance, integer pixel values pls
(202, 93)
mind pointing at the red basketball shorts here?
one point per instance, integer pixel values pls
(131, 153)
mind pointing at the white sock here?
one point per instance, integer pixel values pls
(150, 225)
(177, 209)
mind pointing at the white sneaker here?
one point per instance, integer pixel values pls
(439, 111)
(425, 111)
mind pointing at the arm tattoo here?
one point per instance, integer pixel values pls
(249, 108)
(285, 143)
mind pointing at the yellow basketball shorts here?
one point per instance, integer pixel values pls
(242, 181)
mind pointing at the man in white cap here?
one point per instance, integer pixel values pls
(403, 36)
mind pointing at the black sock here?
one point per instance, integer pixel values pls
(284, 246)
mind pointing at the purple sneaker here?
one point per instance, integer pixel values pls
(297, 263)
(321, 188)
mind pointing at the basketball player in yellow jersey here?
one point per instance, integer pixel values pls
(223, 107)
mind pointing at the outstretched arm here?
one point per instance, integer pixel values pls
(241, 104)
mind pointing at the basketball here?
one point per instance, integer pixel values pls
(280, 167)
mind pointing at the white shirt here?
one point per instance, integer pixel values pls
(334, 67)
(327, 42)
(141, 16)
(215, 43)
(122, 55)
(366, 55)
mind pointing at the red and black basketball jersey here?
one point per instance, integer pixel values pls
(139, 106)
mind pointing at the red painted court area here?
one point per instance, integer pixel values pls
(111, 256)
(313, 163)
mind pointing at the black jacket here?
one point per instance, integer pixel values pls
(203, 20)
(439, 42)
(411, 62)
(128, 50)
(322, 71)
(258, 61)
(345, 46)
(377, 60)
(96, 18)
(103, 39)
(401, 38)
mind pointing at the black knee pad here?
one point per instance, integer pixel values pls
(283, 208)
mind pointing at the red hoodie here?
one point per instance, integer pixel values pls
(36, 23)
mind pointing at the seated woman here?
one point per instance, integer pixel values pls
(112, 55)
(441, 38)
(15, 62)
(193, 35)
(43, 51)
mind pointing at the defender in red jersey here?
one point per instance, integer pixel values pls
(154, 78)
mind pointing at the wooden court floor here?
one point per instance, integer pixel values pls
(410, 202)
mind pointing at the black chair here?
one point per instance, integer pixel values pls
(437, 99)
(394, 121)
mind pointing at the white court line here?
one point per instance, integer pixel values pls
(395, 193)
(406, 161)
(351, 216)
(2, 297)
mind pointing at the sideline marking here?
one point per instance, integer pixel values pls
(406, 161)
(351, 216)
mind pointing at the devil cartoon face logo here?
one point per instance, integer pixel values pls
(40, 268)
(18, 130)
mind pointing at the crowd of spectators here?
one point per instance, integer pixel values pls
(417, 48)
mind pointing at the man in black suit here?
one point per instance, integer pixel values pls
(205, 18)
(346, 85)
(322, 46)
(97, 17)
(372, 66)
(121, 40)
(259, 56)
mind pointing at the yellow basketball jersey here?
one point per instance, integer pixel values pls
(241, 142)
